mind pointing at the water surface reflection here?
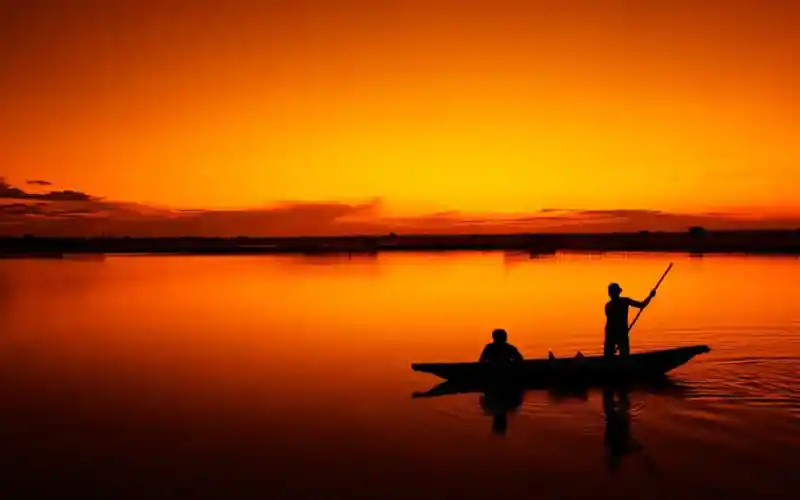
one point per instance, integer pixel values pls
(279, 377)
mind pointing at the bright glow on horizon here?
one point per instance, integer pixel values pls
(494, 107)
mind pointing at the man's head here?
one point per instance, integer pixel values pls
(499, 335)
(614, 290)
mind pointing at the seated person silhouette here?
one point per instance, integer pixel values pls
(500, 352)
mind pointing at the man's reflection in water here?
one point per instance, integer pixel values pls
(618, 440)
(499, 403)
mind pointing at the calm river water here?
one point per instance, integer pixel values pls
(289, 377)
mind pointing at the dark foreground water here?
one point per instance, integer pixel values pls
(289, 377)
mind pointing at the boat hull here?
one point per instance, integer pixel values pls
(565, 370)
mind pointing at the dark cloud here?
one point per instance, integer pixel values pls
(73, 213)
(67, 195)
(95, 218)
(46, 210)
(557, 220)
(8, 191)
(21, 209)
(39, 183)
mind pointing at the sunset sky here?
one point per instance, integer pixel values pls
(314, 117)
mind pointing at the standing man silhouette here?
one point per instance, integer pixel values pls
(617, 320)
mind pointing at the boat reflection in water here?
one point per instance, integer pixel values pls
(501, 401)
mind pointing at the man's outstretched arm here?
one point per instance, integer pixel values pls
(644, 303)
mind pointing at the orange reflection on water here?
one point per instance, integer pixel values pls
(217, 317)
(304, 363)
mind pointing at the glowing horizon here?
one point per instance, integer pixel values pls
(489, 108)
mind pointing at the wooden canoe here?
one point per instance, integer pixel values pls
(591, 368)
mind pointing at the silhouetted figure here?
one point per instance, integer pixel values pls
(618, 438)
(500, 352)
(499, 402)
(617, 320)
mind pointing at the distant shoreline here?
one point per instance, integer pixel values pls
(696, 241)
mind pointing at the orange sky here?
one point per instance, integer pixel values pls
(476, 107)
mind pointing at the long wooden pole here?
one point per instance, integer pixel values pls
(654, 289)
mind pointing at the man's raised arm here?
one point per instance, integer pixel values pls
(644, 303)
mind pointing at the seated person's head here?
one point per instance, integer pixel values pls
(499, 335)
